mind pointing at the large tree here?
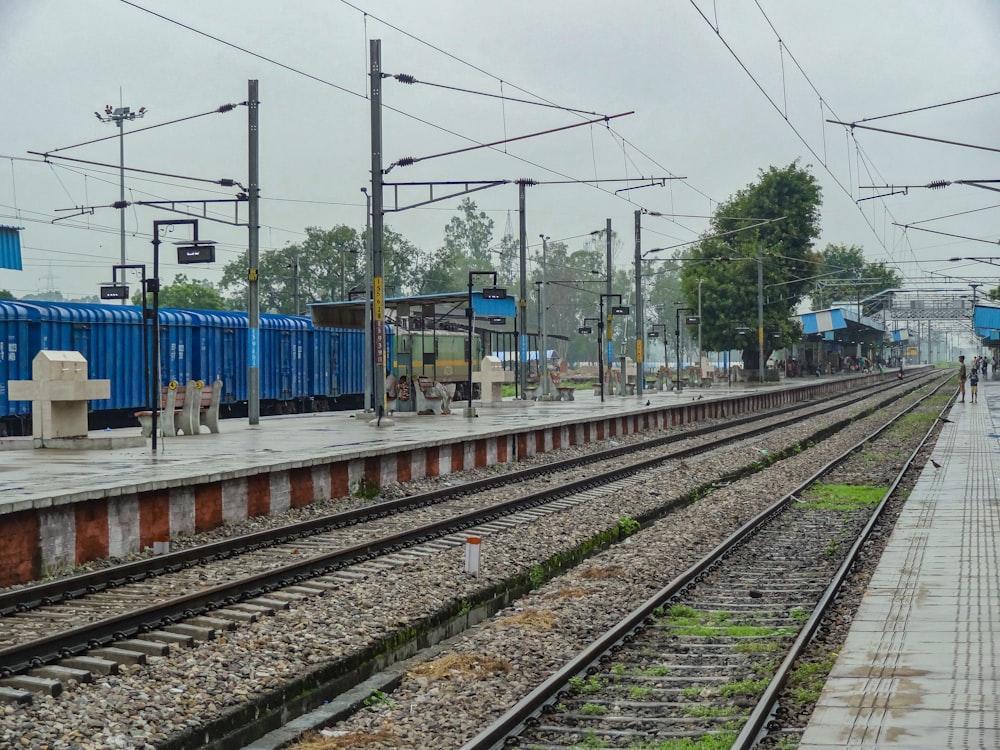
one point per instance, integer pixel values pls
(466, 247)
(843, 275)
(739, 246)
(188, 294)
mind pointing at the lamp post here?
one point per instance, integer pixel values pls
(587, 330)
(690, 320)
(118, 117)
(618, 309)
(540, 322)
(493, 293)
(369, 359)
(119, 290)
(654, 332)
(543, 358)
(192, 251)
(294, 266)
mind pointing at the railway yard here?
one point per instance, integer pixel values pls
(686, 584)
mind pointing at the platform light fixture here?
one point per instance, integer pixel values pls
(118, 116)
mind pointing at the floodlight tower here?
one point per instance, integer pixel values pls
(118, 117)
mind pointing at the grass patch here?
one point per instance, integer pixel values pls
(721, 741)
(746, 688)
(806, 680)
(711, 712)
(681, 620)
(759, 647)
(592, 684)
(842, 496)
(593, 709)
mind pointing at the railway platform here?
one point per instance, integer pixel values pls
(921, 666)
(60, 508)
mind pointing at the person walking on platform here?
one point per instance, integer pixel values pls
(962, 375)
(973, 385)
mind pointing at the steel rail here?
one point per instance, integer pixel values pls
(757, 721)
(73, 587)
(524, 711)
(46, 650)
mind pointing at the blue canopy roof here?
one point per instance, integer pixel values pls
(822, 321)
(10, 247)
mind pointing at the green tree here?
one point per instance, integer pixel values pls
(4, 294)
(571, 296)
(843, 275)
(188, 294)
(466, 247)
(330, 265)
(50, 296)
(399, 264)
(727, 261)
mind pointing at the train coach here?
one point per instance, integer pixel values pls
(302, 367)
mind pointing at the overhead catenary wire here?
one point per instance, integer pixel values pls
(218, 110)
(523, 90)
(410, 160)
(795, 130)
(413, 80)
(930, 106)
(224, 181)
(853, 125)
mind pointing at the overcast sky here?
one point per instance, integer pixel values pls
(698, 115)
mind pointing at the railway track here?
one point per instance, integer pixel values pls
(704, 659)
(206, 613)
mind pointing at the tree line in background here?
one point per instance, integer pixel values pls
(720, 270)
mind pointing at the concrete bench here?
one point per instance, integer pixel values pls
(184, 409)
(432, 398)
(565, 392)
(531, 392)
(208, 408)
(173, 397)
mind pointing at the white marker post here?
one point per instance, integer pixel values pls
(472, 547)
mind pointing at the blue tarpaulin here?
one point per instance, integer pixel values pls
(10, 247)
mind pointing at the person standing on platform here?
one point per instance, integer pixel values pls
(973, 385)
(962, 375)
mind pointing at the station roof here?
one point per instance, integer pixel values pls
(827, 324)
(445, 307)
(986, 321)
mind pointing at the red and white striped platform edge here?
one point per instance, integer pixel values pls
(63, 508)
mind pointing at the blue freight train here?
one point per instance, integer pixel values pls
(302, 367)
